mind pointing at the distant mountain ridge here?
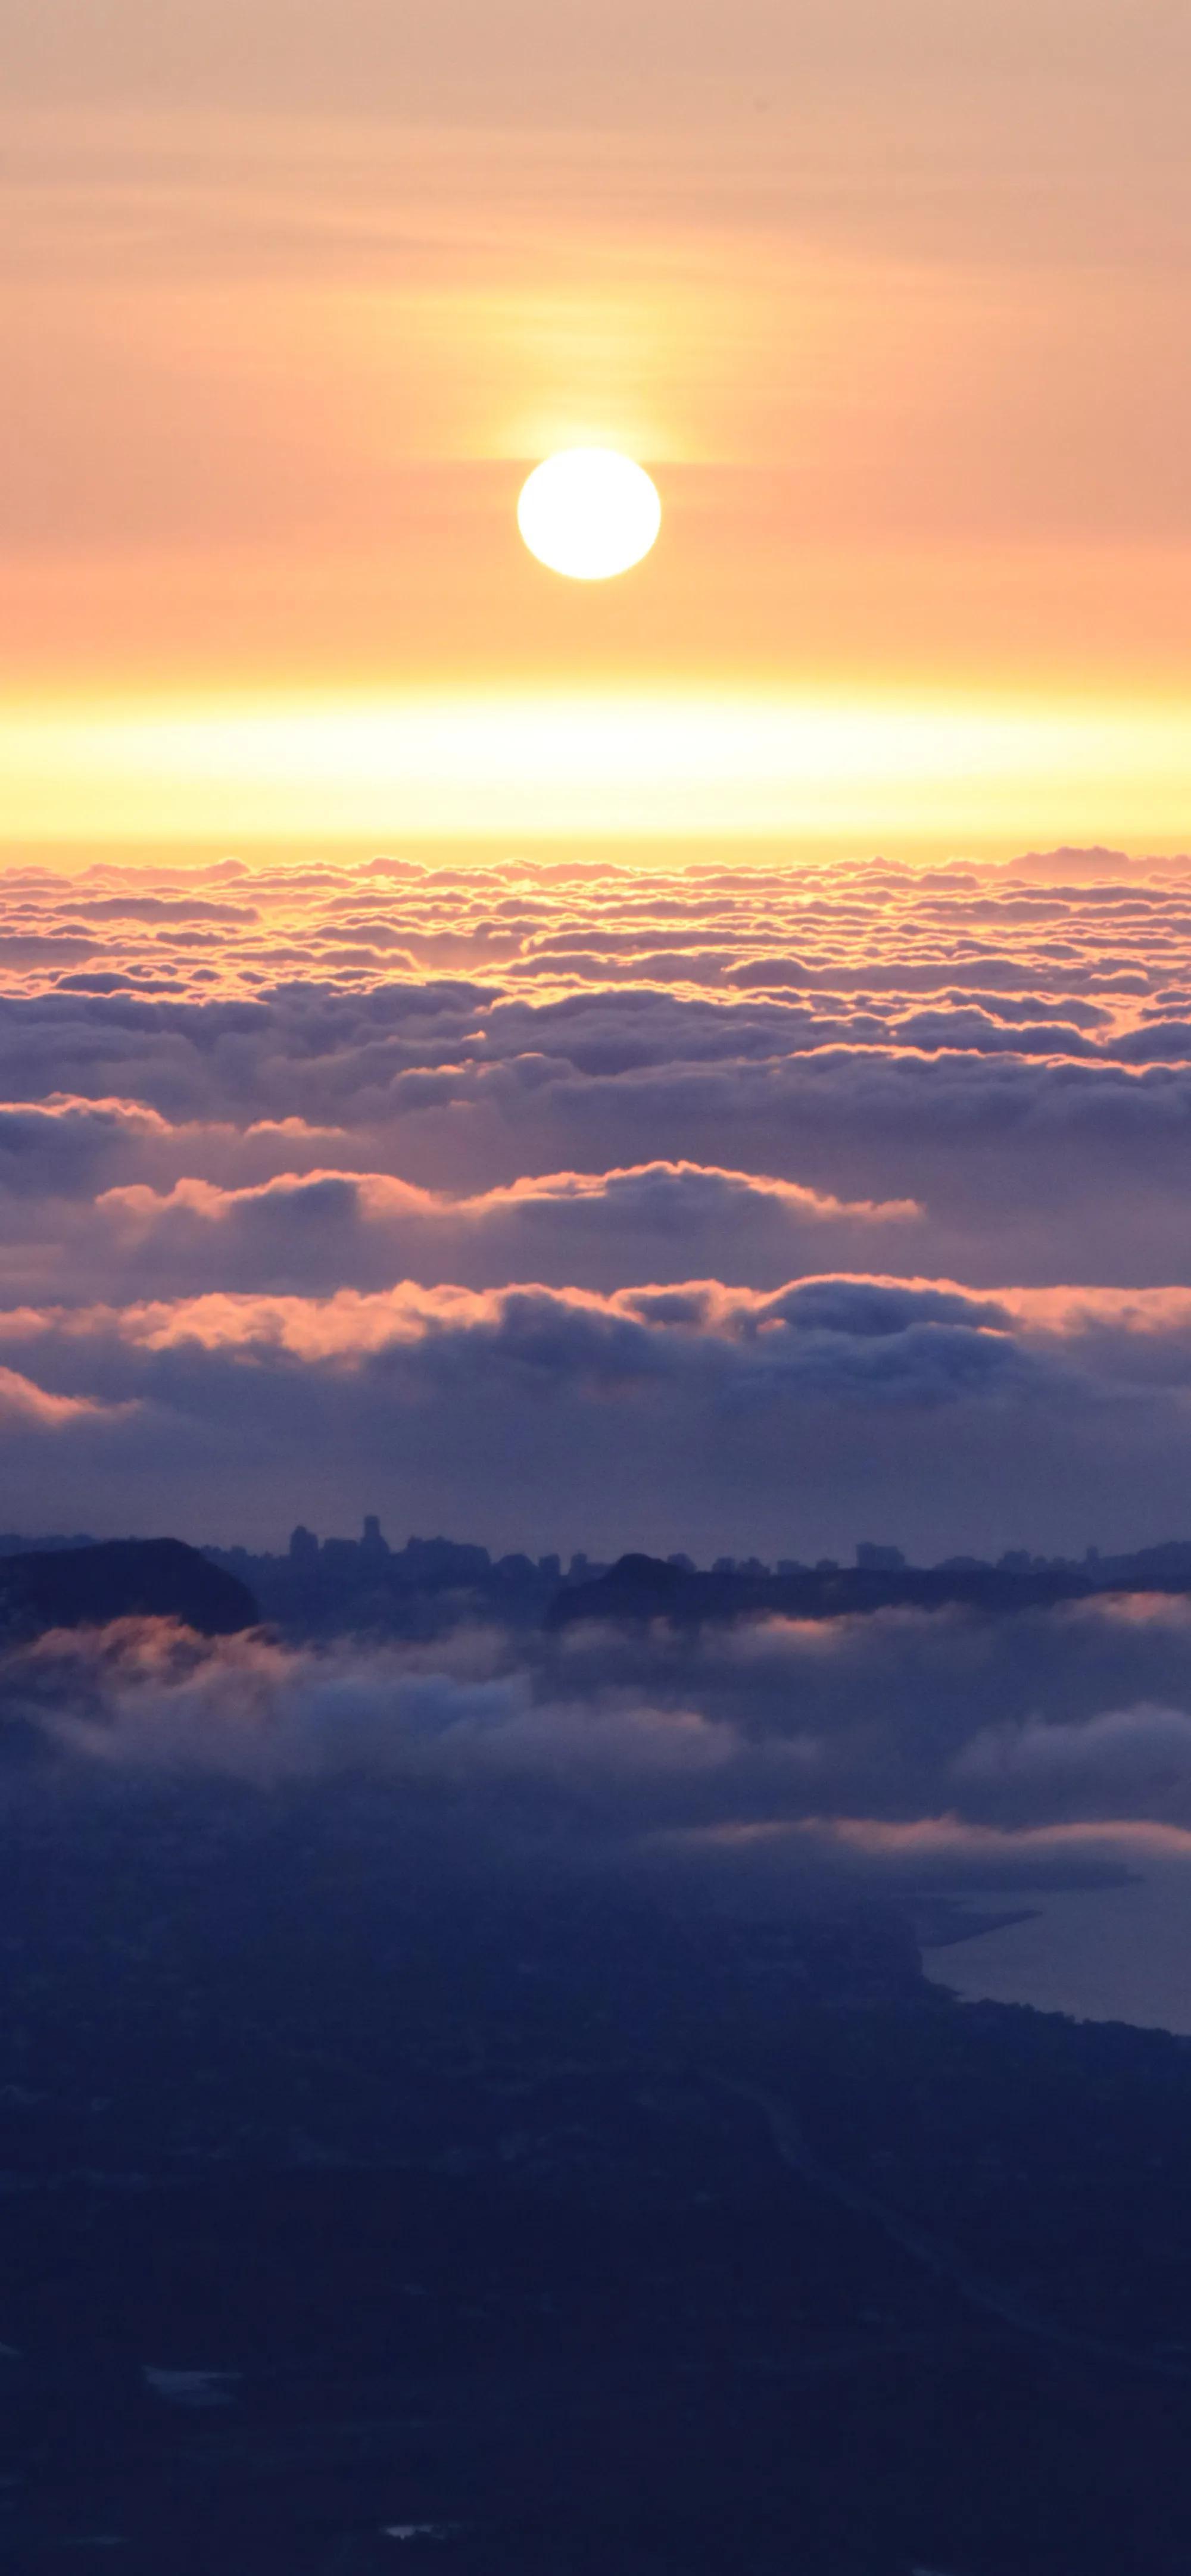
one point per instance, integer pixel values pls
(648, 1587)
(340, 1586)
(640, 1586)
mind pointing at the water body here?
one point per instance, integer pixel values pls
(1101, 1954)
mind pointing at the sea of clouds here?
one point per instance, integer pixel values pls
(729, 1207)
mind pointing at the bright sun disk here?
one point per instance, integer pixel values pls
(589, 513)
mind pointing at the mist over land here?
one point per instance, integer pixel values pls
(813, 1738)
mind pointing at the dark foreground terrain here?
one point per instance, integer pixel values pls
(595, 2235)
(150, 1578)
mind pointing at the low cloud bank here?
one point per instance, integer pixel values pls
(707, 1207)
(988, 1048)
(901, 1751)
(696, 1415)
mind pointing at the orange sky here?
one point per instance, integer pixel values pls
(892, 299)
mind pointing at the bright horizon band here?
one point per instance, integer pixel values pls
(705, 765)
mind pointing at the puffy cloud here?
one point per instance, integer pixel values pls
(992, 1144)
(26, 1406)
(1139, 1757)
(159, 908)
(701, 1415)
(323, 1229)
(544, 1097)
(60, 1146)
(1070, 866)
(872, 1330)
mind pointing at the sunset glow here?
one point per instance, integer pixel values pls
(280, 358)
(481, 767)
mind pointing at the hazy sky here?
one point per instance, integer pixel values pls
(892, 299)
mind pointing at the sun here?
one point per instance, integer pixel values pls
(589, 513)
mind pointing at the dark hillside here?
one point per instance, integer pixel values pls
(155, 1578)
(649, 1587)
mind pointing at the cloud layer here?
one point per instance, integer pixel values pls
(563, 1204)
